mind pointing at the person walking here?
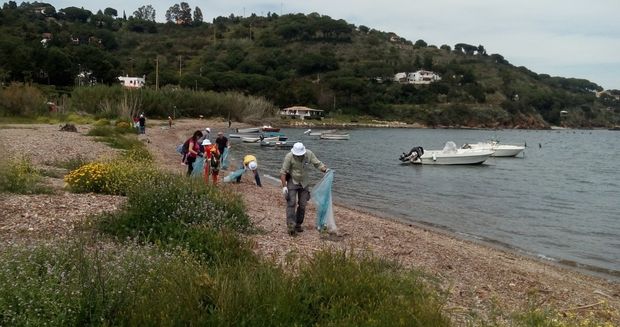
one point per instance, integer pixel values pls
(169, 122)
(142, 124)
(295, 188)
(222, 142)
(249, 163)
(193, 151)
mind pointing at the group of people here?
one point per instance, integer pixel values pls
(293, 174)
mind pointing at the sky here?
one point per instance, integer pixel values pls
(567, 38)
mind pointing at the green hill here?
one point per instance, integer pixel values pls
(295, 59)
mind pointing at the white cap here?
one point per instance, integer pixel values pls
(206, 142)
(298, 149)
(252, 165)
(208, 130)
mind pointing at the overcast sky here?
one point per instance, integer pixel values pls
(568, 38)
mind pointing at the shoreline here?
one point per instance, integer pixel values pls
(476, 278)
(594, 271)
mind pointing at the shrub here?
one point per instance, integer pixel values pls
(73, 284)
(115, 177)
(330, 289)
(19, 99)
(20, 176)
(174, 211)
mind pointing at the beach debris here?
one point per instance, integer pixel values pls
(68, 128)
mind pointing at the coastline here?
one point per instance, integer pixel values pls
(476, 278)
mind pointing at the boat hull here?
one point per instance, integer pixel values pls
(248, 130)
(460, 157)
(499, 150)
(326, 136)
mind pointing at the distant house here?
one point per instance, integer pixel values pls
(419, 77)
(400, 78)
(132, 82)
(563, 113)
(422, 77)
(299, 112)
(45, 39)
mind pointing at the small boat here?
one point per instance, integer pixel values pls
(499, 150)
(252, 139)
(277, 144)
(450, 155)
(248, 130)
(281, 136)
(238, 136)
(334, 136)
(318, 133)
(269, 128)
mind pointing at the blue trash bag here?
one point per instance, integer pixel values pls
(199, 167)
(321, 195)
(233, 176)
(225, 159)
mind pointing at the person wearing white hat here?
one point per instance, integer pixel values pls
(205, 134)
(212, 161)
(295, 188)
(249, 163)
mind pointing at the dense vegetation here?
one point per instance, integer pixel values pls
(293, 59)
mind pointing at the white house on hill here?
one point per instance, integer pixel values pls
(419, 77)
(132, 82)
(299, 112)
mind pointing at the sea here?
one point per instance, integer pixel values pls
(559, 200)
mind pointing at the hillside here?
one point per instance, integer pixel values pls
(295, 59)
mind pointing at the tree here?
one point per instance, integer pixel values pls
(76, 14)
(110, 12)
(420, 44)
(185, 15)
(145, 13)
(172, 14)
(197, 16)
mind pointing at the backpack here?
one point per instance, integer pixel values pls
(183, 148)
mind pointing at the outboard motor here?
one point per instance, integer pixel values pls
(414, 154)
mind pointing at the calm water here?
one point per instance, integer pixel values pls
(561, 201)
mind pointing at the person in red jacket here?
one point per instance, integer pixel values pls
(212, 161)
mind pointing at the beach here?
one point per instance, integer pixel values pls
(476, 278)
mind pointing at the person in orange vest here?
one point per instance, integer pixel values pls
(212, 161)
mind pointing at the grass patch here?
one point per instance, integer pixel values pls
(70, 163)
(20, 176)
(79, 284)
(173, 211)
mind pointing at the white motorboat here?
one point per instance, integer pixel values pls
(318, 133)
(248, 130)
(334, 136)
(252, 139)
(277, 144)
(499, 150)
(450, 155)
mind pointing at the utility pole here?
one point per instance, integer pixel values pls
(180, 66)
(156, 73)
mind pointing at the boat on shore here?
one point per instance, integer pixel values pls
(499, 150)
(334, 136)
(449, 155)
(269, 128)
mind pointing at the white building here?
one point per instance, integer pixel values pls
(422, 77)
(132, 82)
(301, 113)
(419, 77)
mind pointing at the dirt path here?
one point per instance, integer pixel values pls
(476, 277)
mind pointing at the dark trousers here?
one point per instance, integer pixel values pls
(190, 164)
(296, 201)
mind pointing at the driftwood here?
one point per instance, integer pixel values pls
(68, 128)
